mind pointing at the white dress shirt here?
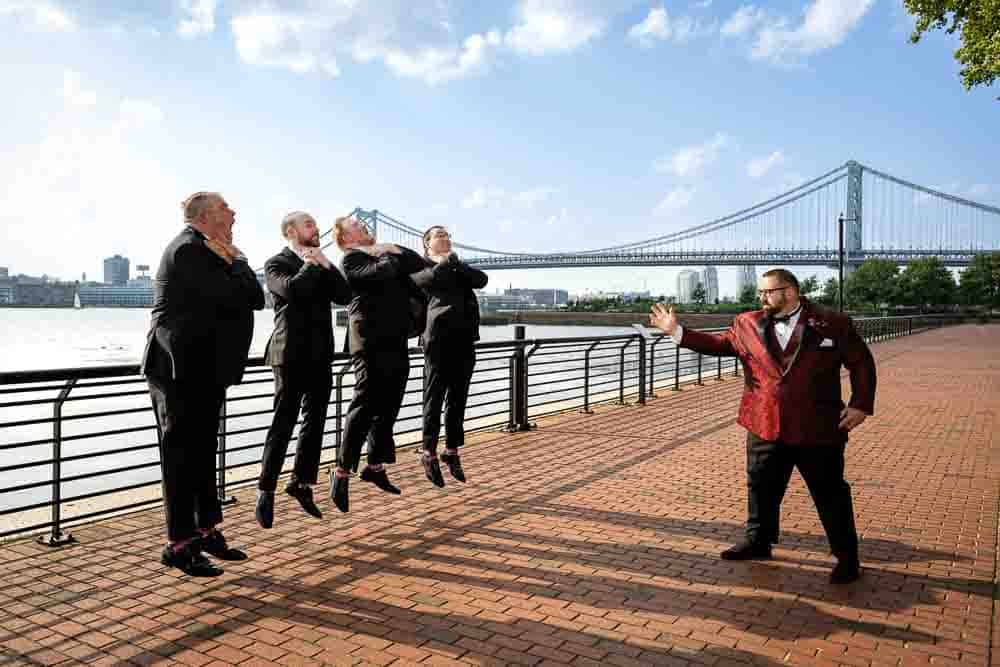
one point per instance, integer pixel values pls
(782, 330)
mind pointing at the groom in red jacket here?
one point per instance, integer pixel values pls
(792, 352)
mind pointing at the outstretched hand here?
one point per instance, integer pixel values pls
(663, 318)
(851, 418)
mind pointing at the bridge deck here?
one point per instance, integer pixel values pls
(590, 541)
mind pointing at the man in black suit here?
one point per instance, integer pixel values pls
(304, 284)
(199, 337)
(379, 314)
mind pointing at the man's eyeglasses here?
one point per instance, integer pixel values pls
(761, 293)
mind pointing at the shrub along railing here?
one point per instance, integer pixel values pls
(82, 443)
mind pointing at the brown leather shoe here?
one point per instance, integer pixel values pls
(189, 561)
(454, 463)
(379, 479)
(215, 544)
(432, 469)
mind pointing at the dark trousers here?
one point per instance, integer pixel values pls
(447, 373)
(296, 386)
(769, 467)
(380, 374)
(187, 420)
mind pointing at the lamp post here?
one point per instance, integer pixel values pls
(840, 282)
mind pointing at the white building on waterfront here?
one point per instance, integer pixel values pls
(687, 283)
(710, 281)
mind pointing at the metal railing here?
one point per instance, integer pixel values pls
(82, 443)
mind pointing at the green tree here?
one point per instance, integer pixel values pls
(979, 284)
(926, 282)
(809, 286)
(831, 293)
(748, 294)
(872, 284)
(978, 23)
(698, 295)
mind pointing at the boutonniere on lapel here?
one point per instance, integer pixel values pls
(816, 324)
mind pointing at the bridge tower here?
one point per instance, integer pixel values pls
(853, 217)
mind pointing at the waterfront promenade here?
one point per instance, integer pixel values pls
(591, 540)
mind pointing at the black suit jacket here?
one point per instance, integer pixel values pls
(380, 309)
(452, 307)
(202, 318)
(303, 320)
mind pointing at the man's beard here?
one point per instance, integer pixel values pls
(313, 241)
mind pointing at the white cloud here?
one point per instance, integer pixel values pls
(410, 43)
(760, 166)
(136, 114)
(483, 197)
(552, 26)
(199, 20)
(74, 94)
(534, 196)
(659, 26)
(744, 20)
(825, 25)
(675, 200)
(41, 14)
(691, 160)
(655, 27)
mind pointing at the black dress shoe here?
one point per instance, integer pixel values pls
(215, 544)
(265, 508)
(747, 551)
(846, 571)
(432, 469)
(189, 561)
(304, 494)
(454, 464)
(379, 479)
(338, 491)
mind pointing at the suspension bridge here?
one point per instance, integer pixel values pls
(885, 217)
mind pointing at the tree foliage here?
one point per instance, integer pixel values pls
(980, 283)
(978, 23)
(873, 284)
(698, 296)
(831, 293)
(809, 286)
(926, 282)
(748, 294)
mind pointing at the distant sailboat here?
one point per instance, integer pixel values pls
(76, 300)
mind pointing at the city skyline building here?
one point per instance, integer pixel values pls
(116, 270)
(710, 281)
(687, 282)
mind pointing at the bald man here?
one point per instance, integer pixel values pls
(304, 284)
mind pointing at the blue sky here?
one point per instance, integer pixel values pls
(523, 125)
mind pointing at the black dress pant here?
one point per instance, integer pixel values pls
(296, 386)
(187, 420)
(447, 373)
(769, 467)
(380, 374)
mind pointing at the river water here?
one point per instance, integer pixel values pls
(37, 338)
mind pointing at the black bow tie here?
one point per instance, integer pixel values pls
(785, 318)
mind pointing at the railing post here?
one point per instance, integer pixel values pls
(621, 373)
(719, 374)
(911, 326)
(699, 368)
(642, 370)
(221, 484)
(677, 367)
(586, 378)
(652, 366)
(525, 424)
(518, 384)
(56, 537)
(338, 440)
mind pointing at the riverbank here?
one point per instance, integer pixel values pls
(565, 318)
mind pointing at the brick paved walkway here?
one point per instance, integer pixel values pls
(590, 541)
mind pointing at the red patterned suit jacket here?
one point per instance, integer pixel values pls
(795, 396)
